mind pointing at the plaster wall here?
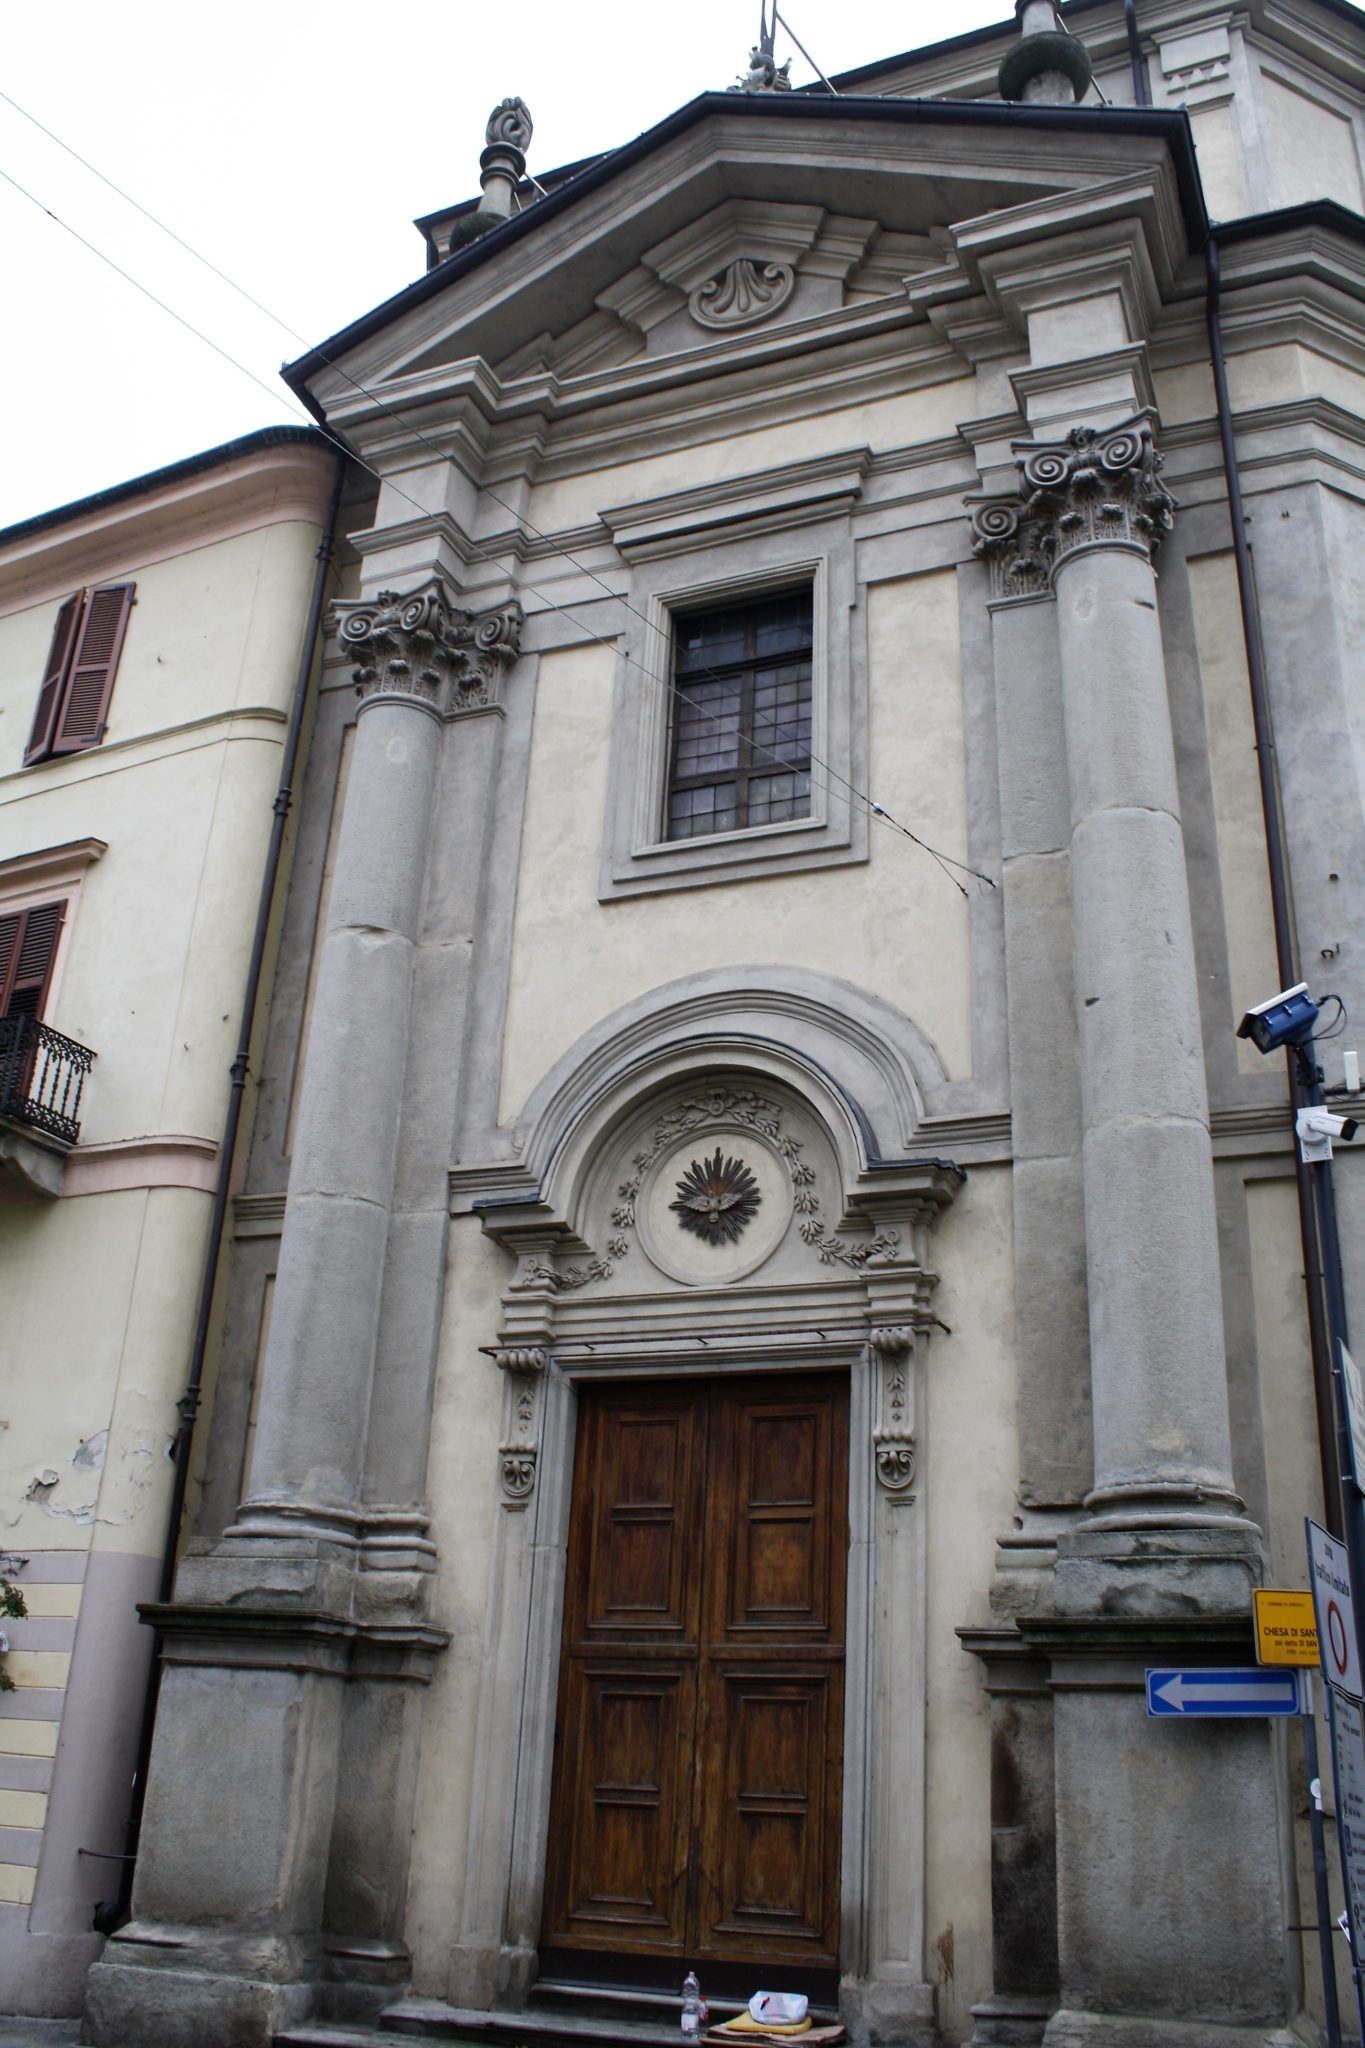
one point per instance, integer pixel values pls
(1257, 377)
(970, 1473)
(1218, 145)
(1236, 793)
(180, 791)
(1313, 147)
(897, 925)
(462, 1482)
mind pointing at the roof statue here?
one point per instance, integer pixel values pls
(764, 73)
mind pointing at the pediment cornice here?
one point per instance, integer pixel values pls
(697, 192)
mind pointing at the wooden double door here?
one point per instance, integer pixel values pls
(699, 1743)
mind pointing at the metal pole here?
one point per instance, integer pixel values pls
(1308, 1722)
(1345, 1878)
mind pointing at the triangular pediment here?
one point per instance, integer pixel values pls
(737, 220)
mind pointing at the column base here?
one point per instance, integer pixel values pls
(1026, 1562)
(145, 1988)
(1072, 2029)
(1005, 2022)
(1158, 1565)
(890, 2009)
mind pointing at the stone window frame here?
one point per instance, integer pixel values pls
(637, 859)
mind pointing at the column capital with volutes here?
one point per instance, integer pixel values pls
(1099, 487)
(420, 646)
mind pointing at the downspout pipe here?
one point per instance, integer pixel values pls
(188, 1404)
(1142, 95)
(1286, 958)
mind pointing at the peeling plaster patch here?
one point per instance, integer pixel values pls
(89, 1458)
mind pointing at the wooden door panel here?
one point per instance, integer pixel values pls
(777, 1469)
(770, 1850)
(622, 1843)
(697, 1793)
(643, 1536)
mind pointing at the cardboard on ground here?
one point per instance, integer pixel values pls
(1286, 1632)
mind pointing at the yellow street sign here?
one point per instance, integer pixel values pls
(1286, 1632)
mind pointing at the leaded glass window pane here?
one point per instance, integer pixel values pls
(741, 726)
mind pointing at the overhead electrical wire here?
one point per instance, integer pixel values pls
(945, 862)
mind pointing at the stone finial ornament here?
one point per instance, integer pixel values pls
(1048, 66)
(502, 166)
(510, 123)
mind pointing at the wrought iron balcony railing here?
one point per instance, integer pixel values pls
(41, 1077)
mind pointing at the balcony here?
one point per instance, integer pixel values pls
(42, 1076)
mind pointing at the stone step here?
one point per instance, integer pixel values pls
(540, 2026)
(561, 2015)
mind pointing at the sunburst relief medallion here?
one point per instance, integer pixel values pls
(716, 1198)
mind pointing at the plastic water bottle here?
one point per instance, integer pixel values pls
(691, 2007)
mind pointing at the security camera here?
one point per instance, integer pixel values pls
(1317, 1128)
(1285, 1019)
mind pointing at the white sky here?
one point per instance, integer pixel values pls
(293, 144)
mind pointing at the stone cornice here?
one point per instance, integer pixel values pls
(52, 867)
(786, 495)
(270, 487)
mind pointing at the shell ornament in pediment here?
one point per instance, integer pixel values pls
(745, 292)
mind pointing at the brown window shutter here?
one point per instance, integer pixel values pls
(86, 698)
(45, 718)
(28, 947)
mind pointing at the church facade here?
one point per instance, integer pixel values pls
(766, 1289)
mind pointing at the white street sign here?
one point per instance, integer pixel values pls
(1330, 1572)
(1348, 1736)
(1355, 1409)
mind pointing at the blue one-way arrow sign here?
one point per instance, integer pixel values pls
(1190, 1693)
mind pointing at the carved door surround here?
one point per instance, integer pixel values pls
(845, 1286)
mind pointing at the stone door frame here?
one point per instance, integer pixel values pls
(495, 1959)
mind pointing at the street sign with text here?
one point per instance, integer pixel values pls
(1330, 1572)
(1202, 1692)
(1285, 1629)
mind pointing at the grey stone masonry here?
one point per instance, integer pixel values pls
(309, 1452)
(1157, 1355)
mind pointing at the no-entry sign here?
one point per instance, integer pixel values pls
(1331, 1575)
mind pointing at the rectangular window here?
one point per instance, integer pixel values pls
(74, 699)
(742, 709)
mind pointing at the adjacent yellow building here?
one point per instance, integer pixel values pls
(152, 658)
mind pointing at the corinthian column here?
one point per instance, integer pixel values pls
(1093, 514)
(309, 1456)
